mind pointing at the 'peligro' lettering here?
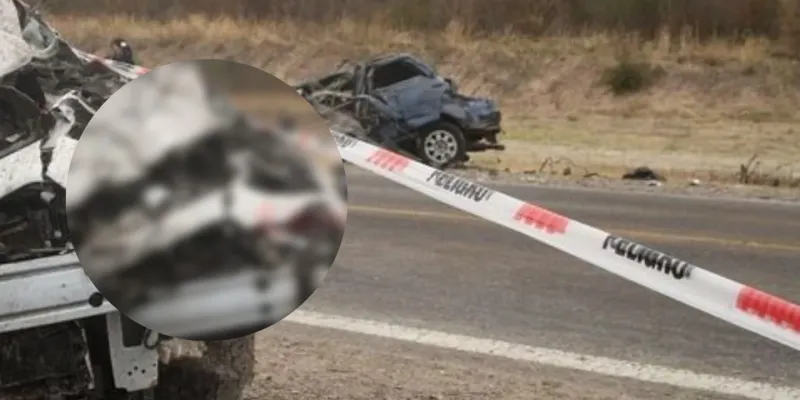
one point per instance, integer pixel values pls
(648, 257)
(460, 187)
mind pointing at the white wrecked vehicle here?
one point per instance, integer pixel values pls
(59, 338)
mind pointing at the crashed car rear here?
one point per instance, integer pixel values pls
(399, 101)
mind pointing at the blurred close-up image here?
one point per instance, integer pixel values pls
(195, 205)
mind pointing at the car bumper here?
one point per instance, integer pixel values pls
(483, 134)
(486, 124)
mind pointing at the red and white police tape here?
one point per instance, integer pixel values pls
(749, 308)
(127, 70)
(759, 312)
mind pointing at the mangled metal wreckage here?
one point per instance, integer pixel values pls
(58, 336)
(402, 103)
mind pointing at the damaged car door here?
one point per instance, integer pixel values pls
(417, 100)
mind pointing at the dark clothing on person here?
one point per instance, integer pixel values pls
(121, 51)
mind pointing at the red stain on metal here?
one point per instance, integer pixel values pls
(264, 213)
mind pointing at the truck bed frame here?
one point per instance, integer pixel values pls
(88, 342)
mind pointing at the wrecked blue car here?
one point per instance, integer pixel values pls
(402, 103)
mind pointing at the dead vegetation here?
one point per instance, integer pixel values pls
(705, 19)
(783, 175)
(689, 88)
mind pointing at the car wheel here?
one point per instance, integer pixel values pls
(442, 144)
(219, 370)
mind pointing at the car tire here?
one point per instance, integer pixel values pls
(441, 144)
(219, 370)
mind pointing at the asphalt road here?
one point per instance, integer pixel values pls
(411, 261)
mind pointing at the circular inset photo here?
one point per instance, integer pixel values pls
(206, 200)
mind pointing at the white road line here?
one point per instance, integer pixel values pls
(599, 365)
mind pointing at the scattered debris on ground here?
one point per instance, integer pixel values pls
(643, 173)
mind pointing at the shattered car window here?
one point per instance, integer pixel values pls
(388, 75)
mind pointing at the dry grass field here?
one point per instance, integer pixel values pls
(698, 91)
